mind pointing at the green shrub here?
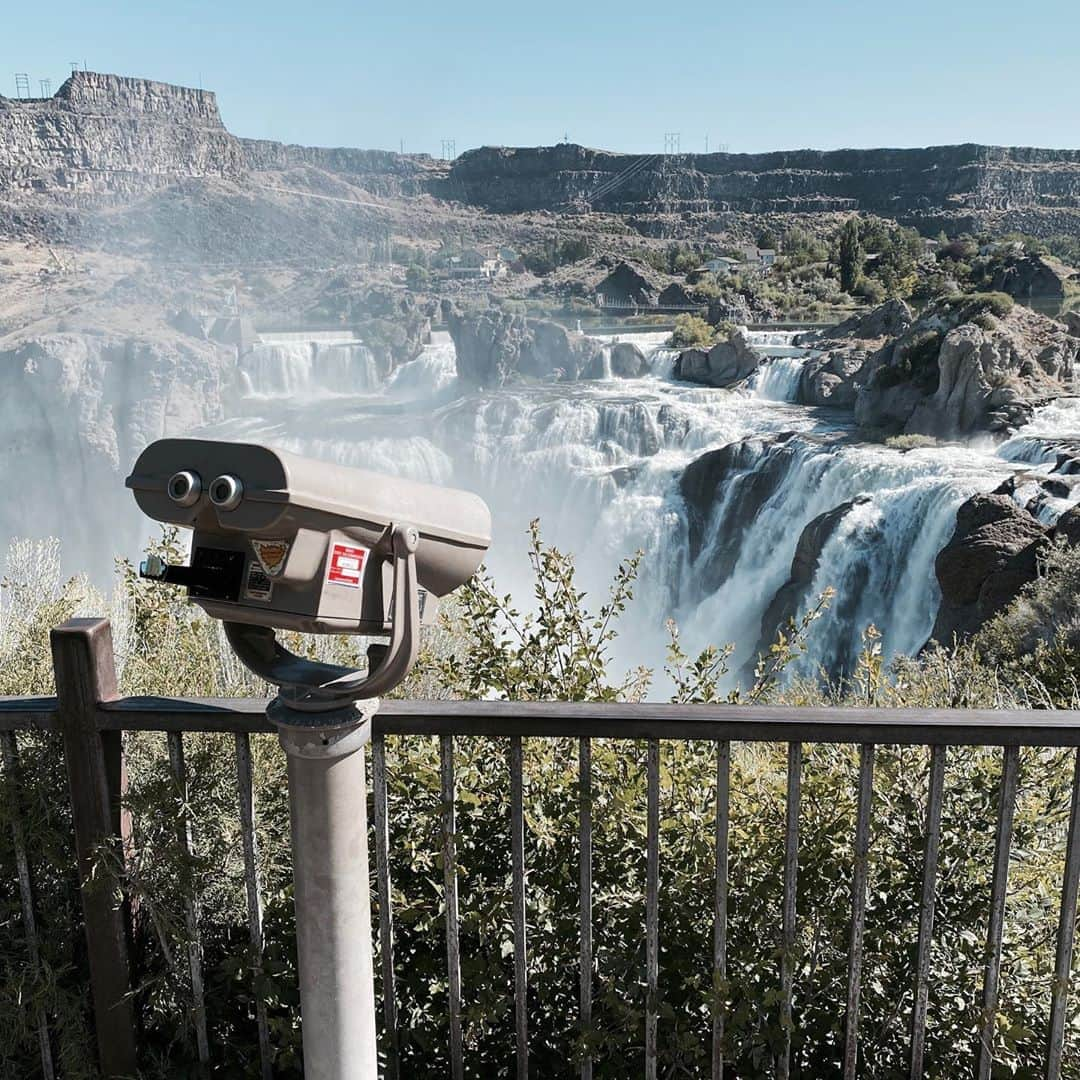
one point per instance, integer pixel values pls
(873, 292)
(485, 648)
(910, 442)
(691, 332)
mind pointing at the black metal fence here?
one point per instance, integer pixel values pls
(89, 715)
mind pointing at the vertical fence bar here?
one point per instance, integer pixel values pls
(191, 904)
(1002, 849)
(1059, 994)
(10, 753)
(517, 858)
(652, 904)
(450, 892)
(386, 913)
(723, 812)
(858, 908)
(246, 794)
(927, 907)
(791, 885)
(585, 895)
(85, 676)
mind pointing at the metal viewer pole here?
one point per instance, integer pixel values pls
(328, 800)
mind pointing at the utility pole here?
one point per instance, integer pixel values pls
(449, 149)
(22, 85)
(671, 142)
(46, 87)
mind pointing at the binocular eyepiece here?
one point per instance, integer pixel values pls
(281, 542)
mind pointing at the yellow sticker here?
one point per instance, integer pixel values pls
(271, 555)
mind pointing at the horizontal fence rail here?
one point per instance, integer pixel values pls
(87, 714)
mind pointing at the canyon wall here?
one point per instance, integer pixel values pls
(887, 182)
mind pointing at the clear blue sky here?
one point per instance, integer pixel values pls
(763, 75)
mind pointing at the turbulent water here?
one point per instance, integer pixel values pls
(599, 462)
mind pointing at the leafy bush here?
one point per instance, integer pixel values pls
(910, 442)
(486, 648)
(691, 332)
(870, 290)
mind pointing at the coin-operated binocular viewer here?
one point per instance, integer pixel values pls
(284, 543)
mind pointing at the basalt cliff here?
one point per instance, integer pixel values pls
(106, 138)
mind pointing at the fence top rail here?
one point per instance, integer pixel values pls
(929, 727)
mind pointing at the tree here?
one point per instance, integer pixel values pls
(851, 255)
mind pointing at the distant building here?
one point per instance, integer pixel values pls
(760, 259)
(721, 265)
(482, 269)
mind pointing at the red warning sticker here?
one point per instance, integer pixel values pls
(346, 565)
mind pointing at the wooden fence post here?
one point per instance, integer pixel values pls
(85, 675)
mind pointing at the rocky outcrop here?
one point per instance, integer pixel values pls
(104, 134)
(794, 596)
(843, 356)
(741, 476)
(723, 365)
(629, 284)
(910, 183)
(890, 319)
(993, 553)
(676, 295)
(108, 135)
(985, 377)
(1031, 276)
(967, 365)
(494, 348)
(627, 360)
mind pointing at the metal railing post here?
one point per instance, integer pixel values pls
(85, 675)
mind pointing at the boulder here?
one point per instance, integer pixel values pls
(793, 596)
(627, 360)
(1030, 276)
(992, 554)
(675, 295)
(831, 378)
(743, 475)
(495, 347)
(187, 322)
(725, 364)
(629, 283)
(1071, 319)
(1068, 526)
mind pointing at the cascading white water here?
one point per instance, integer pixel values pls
(777, 378)
(600, 463)
(780, 371)
(308, 368)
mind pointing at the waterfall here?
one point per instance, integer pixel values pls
(780, 371)
(306, 369)
(432, 372)
(777, 379)
(601, 463)
(880, 558)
